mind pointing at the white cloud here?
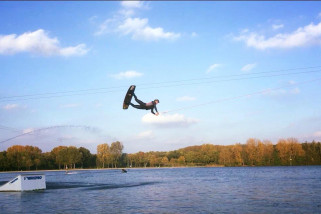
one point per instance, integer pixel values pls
(124, 23)
(10, 106)
(194, 34)
(132, 4)
(140, 30)
(28, 130)
(248, 67)
(71, 105)
(281, 92)
(212, 67)
(78, 50)
(303, 36)
(185, 98)
(108, 26)
(127, 75)
(168, 120)
(276, 27)
(145, 135)
(39, 43)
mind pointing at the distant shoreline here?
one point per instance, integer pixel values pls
(92, 169)
(120, 168)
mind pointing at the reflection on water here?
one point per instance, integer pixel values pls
(93, 186)
(173, 190)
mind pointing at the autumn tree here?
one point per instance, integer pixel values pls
(142, 159)
(289, 150)
(225, 156)
(255, 153)
(15, 156)
(204, 154)
(103, 154)
(165, 161)
(152, 159)
(236, 151)
(268, 153)
(181, 161)
(251, 151)
(131, 159)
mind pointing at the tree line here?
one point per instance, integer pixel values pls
(254, 152)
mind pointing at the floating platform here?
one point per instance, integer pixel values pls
(26, 182)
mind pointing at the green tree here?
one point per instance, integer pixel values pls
(116, 150)
(62, 157)
(48, 161)
(312, 153)
(59, 158)
(32, 157)
(73, 156)
(3, 161)
(86, 157)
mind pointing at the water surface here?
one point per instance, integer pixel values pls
(172, 190)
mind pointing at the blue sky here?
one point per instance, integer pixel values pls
(67, 65)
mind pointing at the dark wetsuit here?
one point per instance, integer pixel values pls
(147, 106)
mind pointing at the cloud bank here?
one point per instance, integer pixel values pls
(124, 23)
(127, 75)
(304, 36)
(168, 120)
(145, 135)
(38, 43)
(10, 106)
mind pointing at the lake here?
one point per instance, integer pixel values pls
(172, 190)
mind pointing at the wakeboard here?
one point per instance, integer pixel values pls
(128, 96)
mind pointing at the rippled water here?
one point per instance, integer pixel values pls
(173, 190)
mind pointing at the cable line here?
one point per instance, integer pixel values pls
(46, 128)
(166, 84)
(226, 80)
(241, 96)
(6, 128)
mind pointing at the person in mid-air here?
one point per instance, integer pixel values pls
(147, 106)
